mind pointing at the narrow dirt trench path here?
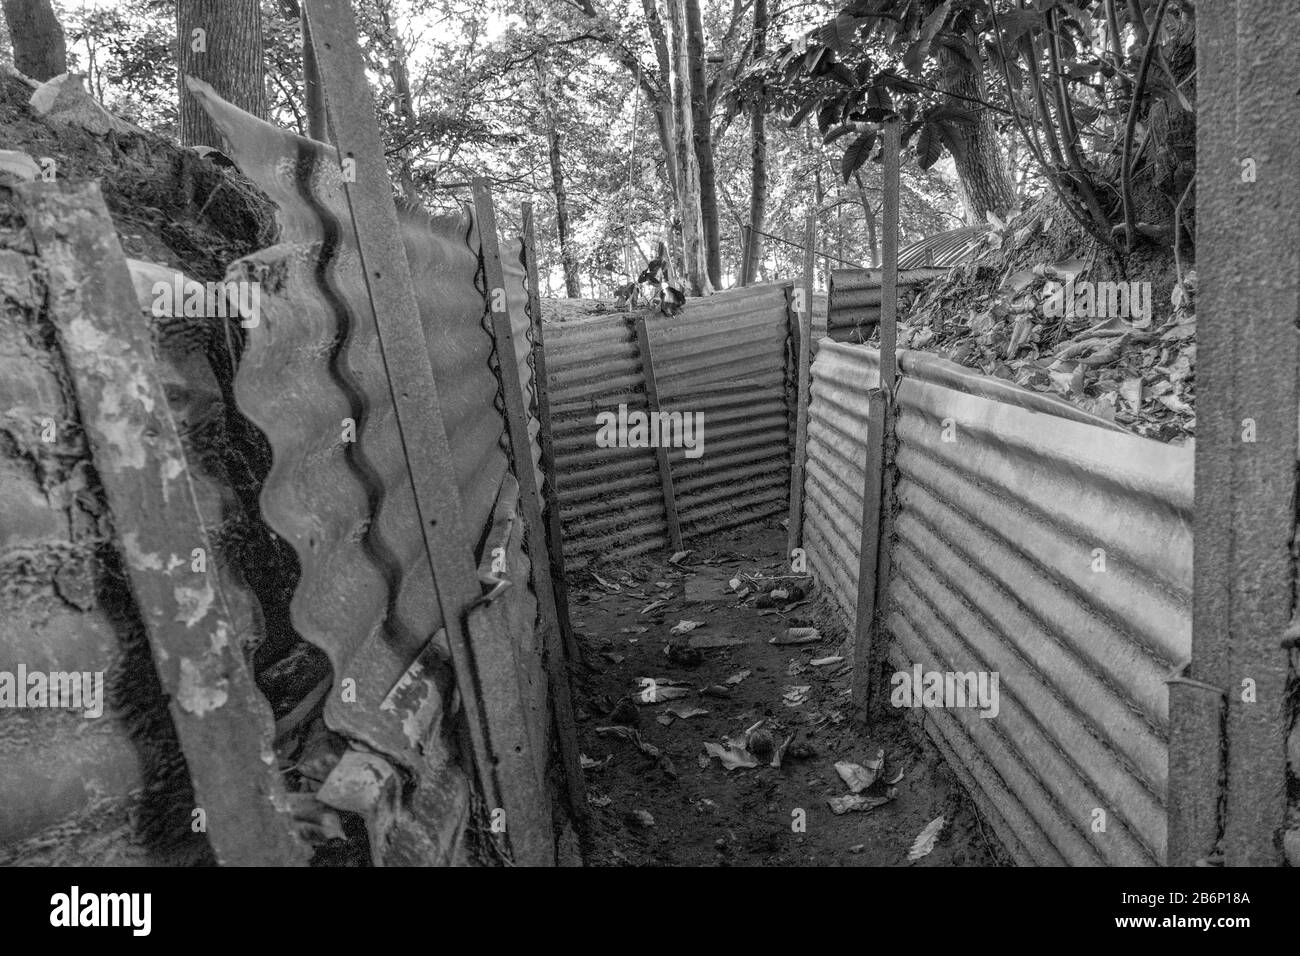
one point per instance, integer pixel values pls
(658, 798)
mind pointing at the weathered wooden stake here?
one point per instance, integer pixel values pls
(550, 487)
(1247, 397)
(529, 497)
(794, 537)
(661, 453)
(874, 560)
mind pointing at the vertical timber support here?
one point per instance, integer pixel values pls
(661, 453)
(482, 654)
(1248, 403)
(550, 487)
(529, 497)
(877, 504)
(804, 346)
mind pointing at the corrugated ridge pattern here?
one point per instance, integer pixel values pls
(942, 249)
(726, 356)
(996, 568)
(855, 299)
(347, 507)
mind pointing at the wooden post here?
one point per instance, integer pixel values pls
(874, 559)
(529, 497)
(493, 708)
(794, 537)
(1247, 396)
(550, 488)
(661, 453)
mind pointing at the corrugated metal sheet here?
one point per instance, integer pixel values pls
(347, 507)
(726, 356)
(610, 501)
(996, 541)
(943, 249)
(855, 294)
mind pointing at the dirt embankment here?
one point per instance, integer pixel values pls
(1044, 306)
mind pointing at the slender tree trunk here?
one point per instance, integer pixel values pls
(39, 48)
(556, 158)
(757, 153)
(688, 170)
(870, 218)
(219, 42)
(703, 141)
(395, 53)
(976, 150)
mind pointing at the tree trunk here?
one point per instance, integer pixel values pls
(39, 48)
(703, 141)
(976, 150)
(555, 156)
(395, 53)
(219, 42)
(873, 244)
(695, 260)
(757, 153)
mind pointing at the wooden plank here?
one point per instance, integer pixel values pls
(530, 499)
(803, 328)
(877, 497)
(889, 252)
(1248, 256)
(551, 488)
(222, 720)
(869, 550)
(492, 700)
(661, 453)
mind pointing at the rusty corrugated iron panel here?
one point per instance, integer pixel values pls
(610, 499)
(994, 560)
(944, 249)
(342, 499)
(312, 338)
(302, 179)
(725, 356)
(855, 295)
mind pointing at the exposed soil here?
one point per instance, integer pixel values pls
(703, 814)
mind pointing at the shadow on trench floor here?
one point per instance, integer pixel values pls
(657, 796)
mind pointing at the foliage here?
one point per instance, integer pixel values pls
(1076, 81)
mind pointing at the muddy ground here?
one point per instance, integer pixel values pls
(689, 810)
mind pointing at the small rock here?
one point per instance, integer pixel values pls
(640, 818)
